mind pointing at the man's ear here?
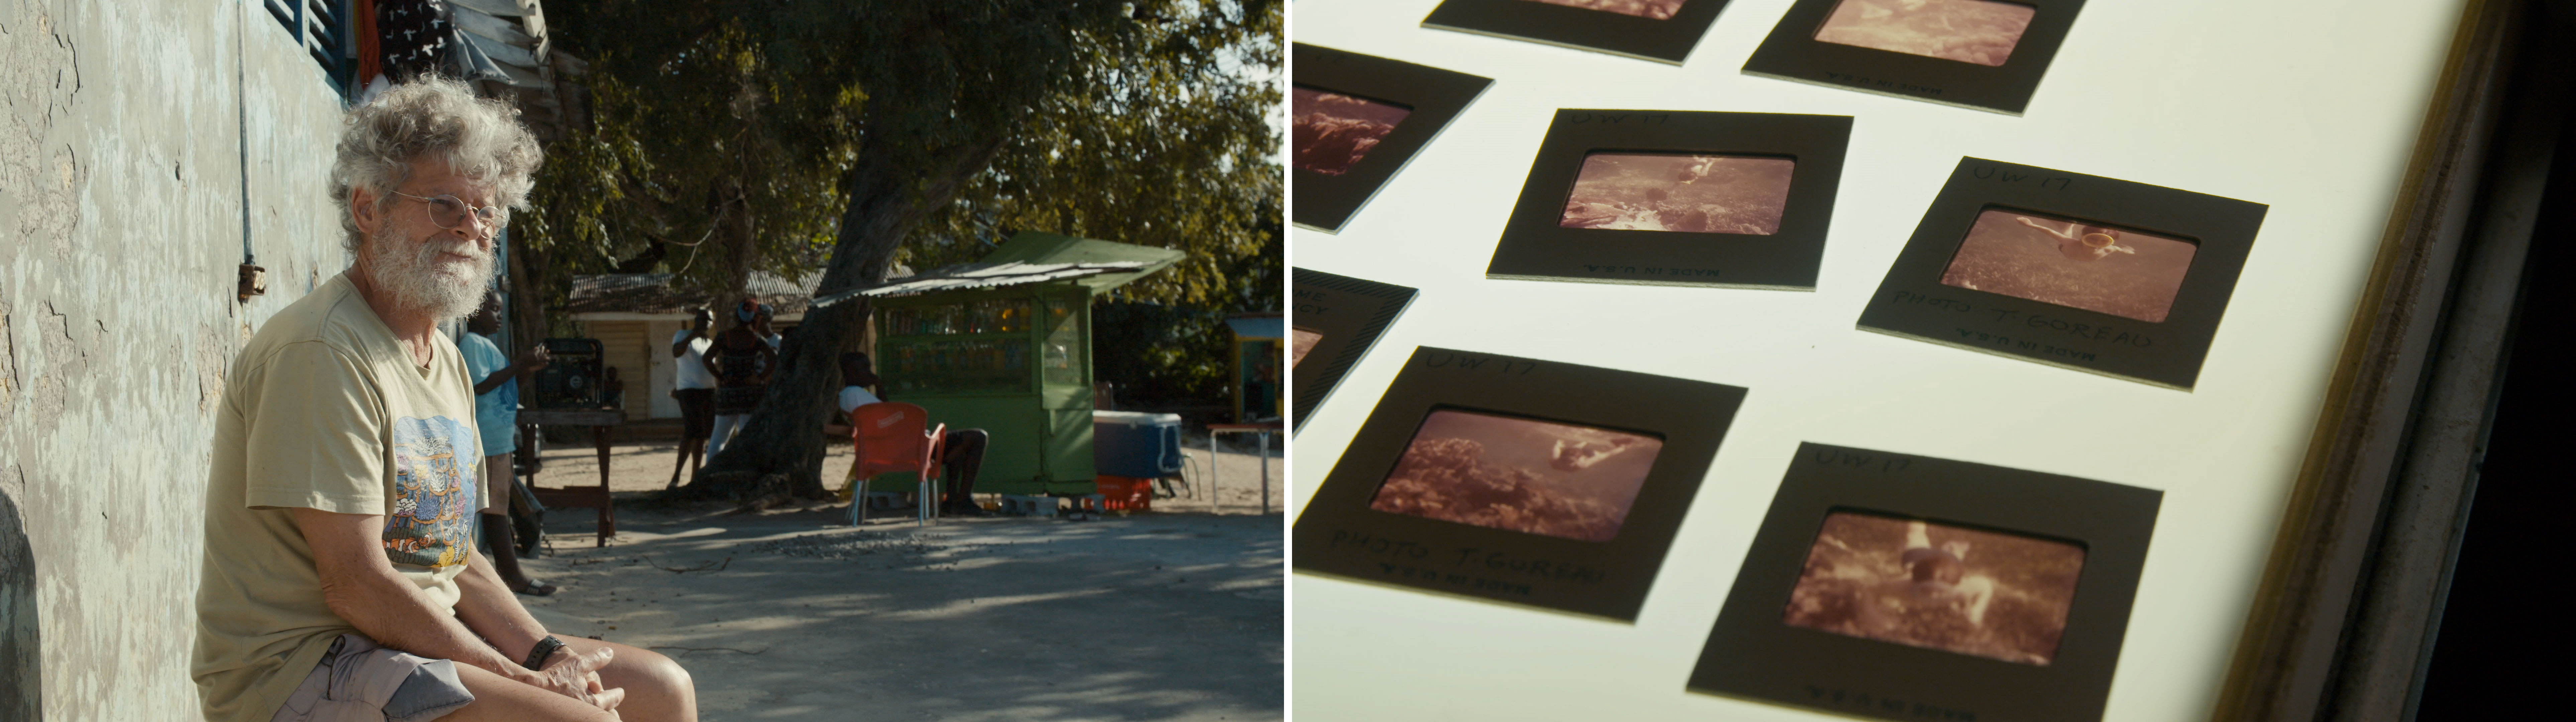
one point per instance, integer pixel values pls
(362, 208)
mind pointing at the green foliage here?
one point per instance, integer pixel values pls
(681, 168)
(850, 135)
(1181, 354)
(1174, 154)
(1140, 122)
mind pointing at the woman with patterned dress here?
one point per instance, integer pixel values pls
(743, 363)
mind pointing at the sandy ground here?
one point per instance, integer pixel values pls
(789, 615)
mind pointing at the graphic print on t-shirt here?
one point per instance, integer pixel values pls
(434, 492)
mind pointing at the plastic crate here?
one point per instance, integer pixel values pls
(1125, 493)
(1082, 505)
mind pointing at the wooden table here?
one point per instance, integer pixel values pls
(595, 497)
(1264, 429)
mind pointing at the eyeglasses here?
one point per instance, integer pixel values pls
(449, 212)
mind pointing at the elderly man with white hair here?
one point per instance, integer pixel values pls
(340, 579)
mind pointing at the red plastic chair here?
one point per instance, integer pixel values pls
(892, 436)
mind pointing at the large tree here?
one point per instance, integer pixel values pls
(854, 135)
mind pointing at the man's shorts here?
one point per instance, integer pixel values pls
(359, 681)
(697, 412)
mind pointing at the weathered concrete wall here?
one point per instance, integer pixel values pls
(141, 142)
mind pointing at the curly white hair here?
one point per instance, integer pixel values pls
(480, 138)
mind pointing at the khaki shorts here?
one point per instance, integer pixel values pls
(359, 681)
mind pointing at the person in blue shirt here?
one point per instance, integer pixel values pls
(496, 415)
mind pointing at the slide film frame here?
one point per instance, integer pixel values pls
(1667, 40)
(1327, 202)
(1793, 53)
(1339, 535)
(1351, 314)
(1753, 654)
(1912, 301)
(1535, 248)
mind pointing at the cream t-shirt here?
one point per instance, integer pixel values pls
(324, 410)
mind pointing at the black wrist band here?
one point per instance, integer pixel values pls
(545, 648)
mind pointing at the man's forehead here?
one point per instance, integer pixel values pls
(431, 173)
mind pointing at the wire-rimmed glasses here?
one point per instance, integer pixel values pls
(449, 212)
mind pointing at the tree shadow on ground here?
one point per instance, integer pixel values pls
(781, 616)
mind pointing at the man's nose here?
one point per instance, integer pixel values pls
(475, 227)
(479, 232)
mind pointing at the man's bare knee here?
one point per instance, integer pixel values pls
(657, 687)
(647, 667)
(500, 698)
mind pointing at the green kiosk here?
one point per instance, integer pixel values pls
(1004, 345)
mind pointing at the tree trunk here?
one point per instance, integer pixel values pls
(529, 305)
(740, 235)
(783, 439)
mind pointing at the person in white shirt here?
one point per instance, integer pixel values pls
(695, 388)
(961, 454)
(855, 373)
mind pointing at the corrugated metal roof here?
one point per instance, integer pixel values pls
(652, 293)
(1030, 257)
(1037, 247)
(982, 275)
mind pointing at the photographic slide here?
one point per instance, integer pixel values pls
(1941, 587)
(1521, 475)
(2071, 263)
(1674, 192)
(1333, 131)
(1300, 341)
(1657, 9)
(1968, 31)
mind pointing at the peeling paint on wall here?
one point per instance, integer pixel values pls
(8, 363)
(128, 182)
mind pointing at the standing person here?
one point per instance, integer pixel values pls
(612, 390)
(337, 578)
(695, 388)
(496, 417)
(742, 362)
(961, 455)
(760, 325)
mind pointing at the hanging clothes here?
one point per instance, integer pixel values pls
(415, 37)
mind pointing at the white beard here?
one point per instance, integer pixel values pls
(420, 281)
